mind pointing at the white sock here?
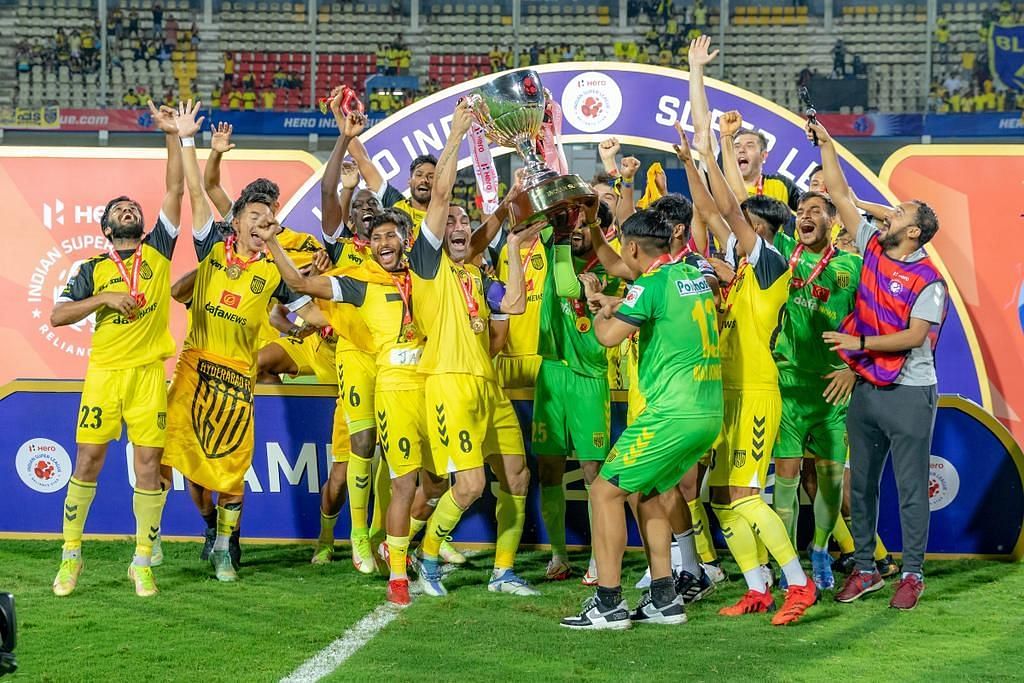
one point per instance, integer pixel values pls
(687, 547)
(795, 575)
(140, 561)
(755, 580)
(221, 542)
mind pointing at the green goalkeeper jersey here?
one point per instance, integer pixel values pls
(818, 306)
(679, 367)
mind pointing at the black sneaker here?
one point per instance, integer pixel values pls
(671, 614)
(844, 564)
(691, 589)
(597, 617)
(210, 535)
(887, 567)
(235, 551)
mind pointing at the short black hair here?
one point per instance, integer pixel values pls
(648, 228)
(816, 170)
(830, 207)
(927, 222)
(771, 211)
(420, 160)
(760, 136)
(251, 198)
(263, 186)
(398, 218)
(604, 215)
(675, 209)
(105, 218)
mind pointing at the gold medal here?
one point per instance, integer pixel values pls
(234, 271)
(477, 325)
(583, 325)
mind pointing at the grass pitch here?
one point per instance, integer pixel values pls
(284, 610)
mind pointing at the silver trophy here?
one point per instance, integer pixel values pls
(510, 109)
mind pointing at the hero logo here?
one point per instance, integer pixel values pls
(43, 465)
(592, 102)
(943, 483)
(53, 214)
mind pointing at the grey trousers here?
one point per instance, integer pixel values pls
(897, 419)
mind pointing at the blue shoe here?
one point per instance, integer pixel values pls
(821, 568)
(508, 582)
(429, 579)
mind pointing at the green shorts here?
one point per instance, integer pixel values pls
(570, 412)
(809, 423)
(654, 452)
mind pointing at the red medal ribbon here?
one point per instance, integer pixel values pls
(232, 259)
(759, 186)
(797, 283)
(529, 254)
(663, 259)
(404, 286)
(131, 282)
(466, 285)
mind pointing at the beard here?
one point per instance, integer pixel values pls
(131, 231)
(890, 239)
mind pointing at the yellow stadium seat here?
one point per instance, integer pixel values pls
(801, 10)
(506, 21)
(603, 20)
(741, 11)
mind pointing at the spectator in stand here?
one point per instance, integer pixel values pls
(700, 15)
(860, 69)
(133, 24)
(534, 54)
(839, 59)
(280, 80)
(269, 98)
(215, 97)
(130, 99)
(158, 18)
(968, 59)
(495, 57)
(171, 32)
(249, 100)
(942, 39)
(249, 81)
(115, 24)
(88, 48)
(235, 100)
(664, 57)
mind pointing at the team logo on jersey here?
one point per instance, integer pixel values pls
(843, 280)
(161, 420)
(145, 272)
(739, 458)
(895, 287)
(693, 287)
(230, 299)
(221, 409)
(257, 285)
(537, 261)
(633, 295)
(598, 439)
(820, 293)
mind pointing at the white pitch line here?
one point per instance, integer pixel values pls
(334, 655)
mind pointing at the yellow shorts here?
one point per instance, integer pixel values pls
(341, 447)
(402, 430)
(138, 396)
(517, 372)
(313, 356)
(357, 377)
(748, 437)
(472, 419)
(210, 411)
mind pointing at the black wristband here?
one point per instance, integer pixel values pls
(862, 340)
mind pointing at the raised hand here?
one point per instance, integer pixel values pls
(163, 118)
(221, 140)
(525, 236)
(819, 130)
(355, 124)
(609, 149)
(349, 175)
(683, 151)
(463, 119)
(699, 55)
(185, 119)
(267, 228)
(730, 123)
(630, 167)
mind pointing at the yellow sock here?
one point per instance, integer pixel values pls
(767, 525)
(738, 536)
(398, 549)
(415, 527)
(148, 505)
(441, 524)
(76, 509)
(762, 551)
(510, 513)
(227, 521)
(327, 523)
(381, 499)
(702, 531)
(880, 550)
(843, 536)
(358, 480)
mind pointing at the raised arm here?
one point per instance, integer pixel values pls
(608, 150)
(879, 211)
(333, 211)
(514, 301)
(835, 180)
(488, 230)
(187, 125)
(703, 202)
(220, 144)
(612, 262)
(699, 57)
(627, 203)
(174, 179)
(318, 286)
(181, 290)
(729, 206)
(729, 128)
(371, 174)
(444, 173)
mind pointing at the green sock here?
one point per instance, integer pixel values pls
(552, 510)
(786, 501)
(828, 501)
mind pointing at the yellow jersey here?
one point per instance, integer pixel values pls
(439, 290)
(397, 338)
(777, 187)
(524, 330)
(352, 332)
(227, 314)
(119, 343)
(391, 198)
(300, 248)
(751, 319)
